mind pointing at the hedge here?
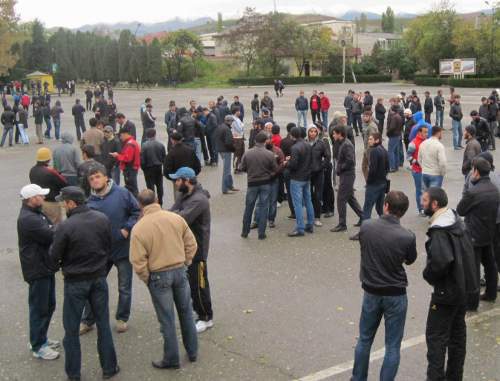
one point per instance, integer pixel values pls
(362, 78)
(466, 82)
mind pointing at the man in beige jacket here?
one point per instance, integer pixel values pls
(161, 247)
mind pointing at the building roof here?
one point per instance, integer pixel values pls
(36, 74)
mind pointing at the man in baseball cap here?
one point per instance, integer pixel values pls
(183, 173)
(35, 232)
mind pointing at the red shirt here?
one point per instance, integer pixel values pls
(325, 103)
(315, 100)
(130, 155)
(276, 139)
(415, 167)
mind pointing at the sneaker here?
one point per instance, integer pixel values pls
(202, 325)
(318, 223)
(121, 326)
(54, 344)
(278, 204)
(84, 328)
(46, 353)
(107, 376)
(254, 225)
(272, 225)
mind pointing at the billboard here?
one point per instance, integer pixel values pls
(457, 66)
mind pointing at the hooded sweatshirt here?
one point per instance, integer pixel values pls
(419, 119)
(66, 156)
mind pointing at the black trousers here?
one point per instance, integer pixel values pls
(328, 192)
(281, 189)
(130, 178)
(428, 117)
(345, 195)
(200, 290)
(445, 331)
(497, 247)
(80, 127)
(317, 179)
(316, 116)
(381, 125)
(356, 123)
(485, 256)
(212, 146)
(289, 195)
(88, 104)
(154, 177)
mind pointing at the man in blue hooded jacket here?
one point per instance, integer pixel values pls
(122, 209)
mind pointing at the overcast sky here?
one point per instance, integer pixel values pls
(71, 13)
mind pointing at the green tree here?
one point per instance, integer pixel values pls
(124, 54)
(220, 24)
(38, 53)
(8, 25)
(363, 23)
(181, 50)
(155, 62)
(388, 23)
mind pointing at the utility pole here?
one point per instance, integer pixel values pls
(492, 4)
(343, 60)
(275, 7)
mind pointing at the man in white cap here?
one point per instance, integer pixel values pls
(35, 233)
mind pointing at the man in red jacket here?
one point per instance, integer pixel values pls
(314, 105)
(416, 169)
(325, 106)
(129, 159)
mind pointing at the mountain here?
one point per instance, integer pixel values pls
(404, 15)
(352, 15)
(145, 28)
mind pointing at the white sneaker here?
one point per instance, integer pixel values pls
(278, 204)
(202, 325)
(318, 223)
(54, 344)
(46, 353)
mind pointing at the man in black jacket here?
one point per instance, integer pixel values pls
(385, 247)
(428, 107)
(451, 271)
(78, 112)
(299, 166)
(81, 247)
(346, 170)
(111, 144)
(194, 207)
(320, 159)
(153, 156)
(225, 146)
(124, 122)
(479, 205)
(210, 128)
(35, 233)
(187, 126)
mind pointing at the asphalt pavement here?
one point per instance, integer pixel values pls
(284, 308)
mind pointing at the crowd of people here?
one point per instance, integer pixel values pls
(310, 167)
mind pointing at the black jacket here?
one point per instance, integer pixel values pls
(451, 266)
(394, 124)
(439, 102)
(8, 119)
(78, 111)
(82, 245)
(378, 165)
(47, 177)
(482, 129)
(320, 156)
(346, 158)
(385, 247)
(428, 106)
(456, 112)
(380, 111)
(186, 127)
(300, 161)
(479, 205)
(211, 124)
(108, 146)
(35, 233)
(180, 155)
(153, 154)
(224, 138)
(130, 125)
(195, 209)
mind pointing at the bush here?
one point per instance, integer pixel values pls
(362, 78)
(466, 82)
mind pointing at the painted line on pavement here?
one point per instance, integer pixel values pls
(379, 354)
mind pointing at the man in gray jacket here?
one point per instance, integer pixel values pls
(67, 159)
(301, 106)
(260, 165)
(194, 207)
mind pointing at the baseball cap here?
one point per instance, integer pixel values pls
(228, 118)
(32, 190)
(71, 193)
(108, 129)
(183, 173)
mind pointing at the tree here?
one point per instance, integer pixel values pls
(388, 23)
(124, 54)
(8, 23)
(38, 54)
(155, 62)
(181, 49)
(220, 24)
(363, 23)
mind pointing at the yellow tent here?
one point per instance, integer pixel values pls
(42, 77)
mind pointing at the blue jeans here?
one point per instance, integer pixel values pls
(417, 178)
(393, 149)
(42, 303)
(302, 115)
(22, 132)
(115, 174)
(374, 195)
(273, 199)
(57, 128)
(393, 309)
(456, 127)
(49, 127)
(262, 192)
(72, 180)
(301, 196)
(324, 118)
(227, 178)
(76, 295)
(191, 144)
(432, 181)
(124, 294)
(7, 131)
(167, 288)
(439, 118)
(197, 149)
(349, 116)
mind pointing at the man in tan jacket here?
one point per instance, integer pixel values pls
(161, 247)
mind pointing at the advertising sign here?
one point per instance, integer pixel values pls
(459, 66)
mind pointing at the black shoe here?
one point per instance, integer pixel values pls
(296, 233)
(339, 228)
(329, 214)
(482, 282)
(262, 237)
(486, 298)
(244, 235)
(193, 359)
(291, 217)
(254, 225)
(107, 376)
(309, 229)
(73, 378)
(354, 237)
(272, 225)
(358, 224)
(162, 365)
